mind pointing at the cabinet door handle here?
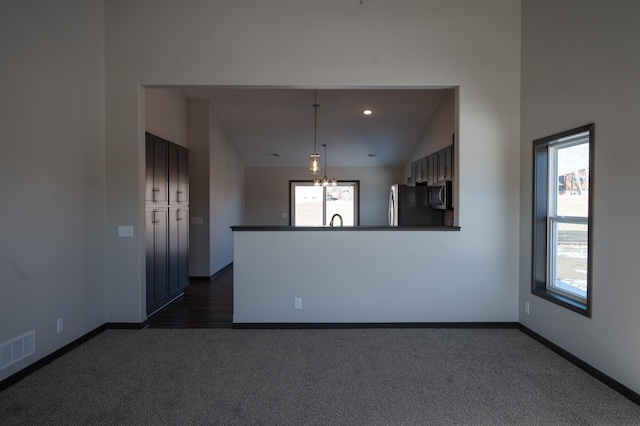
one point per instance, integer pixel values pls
(153, 219)
(178, 194)
(178, 217)
(153, 194)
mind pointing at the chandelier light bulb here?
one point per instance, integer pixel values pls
(314, 166)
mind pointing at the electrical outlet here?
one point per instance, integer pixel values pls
(526, 308)
(298, 302)
(59, 325)
(125, 231)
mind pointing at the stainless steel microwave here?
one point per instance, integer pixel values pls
(440, 196)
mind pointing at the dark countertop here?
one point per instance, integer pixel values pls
(342, 228)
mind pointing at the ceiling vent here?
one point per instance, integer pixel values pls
(16, 349)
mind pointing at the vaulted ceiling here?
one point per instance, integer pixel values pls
(274, 127)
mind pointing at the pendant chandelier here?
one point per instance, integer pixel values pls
(325, 181)
(314, 166)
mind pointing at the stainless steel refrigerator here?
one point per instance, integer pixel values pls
(409, 206)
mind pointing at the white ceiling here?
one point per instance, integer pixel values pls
(263, 121)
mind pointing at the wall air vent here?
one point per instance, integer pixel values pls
(16, 349)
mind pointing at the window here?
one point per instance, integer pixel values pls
(562, 200)
(317, 205)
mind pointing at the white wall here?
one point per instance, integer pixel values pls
(437, 133)
(199, 187)
(52, 182)
(580, 65)
(216, 179)
(166, 114)
(347, 276)
(267, 192)
(472, 45)
(226, 196)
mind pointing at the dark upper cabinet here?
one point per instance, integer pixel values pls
(432, 169)
(178, 174)
(445, 164)
(420, 170)
(157, 152)
(440, 166)
(413, 174)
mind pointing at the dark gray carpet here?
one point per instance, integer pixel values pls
(314, 377)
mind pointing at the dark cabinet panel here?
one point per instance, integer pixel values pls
(432, 169)
(156, 170)
(148, 191)
(157, 225)
(440, 166)
(178, 249)
(178, 174)
(445, 164)
(167, 220)
(183, 247)
(420, 170)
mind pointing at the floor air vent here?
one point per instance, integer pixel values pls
(16, 349)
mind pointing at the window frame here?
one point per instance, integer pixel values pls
(356, 201)
(543, 236)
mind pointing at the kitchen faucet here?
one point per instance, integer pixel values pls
(333, 217)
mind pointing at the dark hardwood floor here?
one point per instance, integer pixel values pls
(205, 304)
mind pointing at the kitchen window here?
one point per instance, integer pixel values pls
(562, 220)
(317, 205)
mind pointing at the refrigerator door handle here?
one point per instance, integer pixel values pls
(392, 210)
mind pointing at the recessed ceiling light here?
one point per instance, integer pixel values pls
(371, 155)
(367, 112)
(275, 154)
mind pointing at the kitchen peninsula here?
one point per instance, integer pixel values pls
(368, 274)
(272, 228)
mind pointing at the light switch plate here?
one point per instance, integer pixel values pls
(125, 231)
